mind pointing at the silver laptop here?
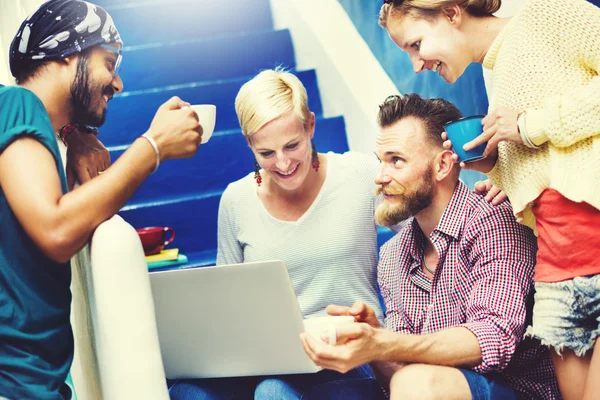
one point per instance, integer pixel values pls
(229, 320)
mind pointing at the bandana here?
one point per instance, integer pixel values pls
(59, 29)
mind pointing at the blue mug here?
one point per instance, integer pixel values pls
(463, 131)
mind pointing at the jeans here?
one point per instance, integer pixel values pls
(567, 314)
(357, 384)
(484, 388)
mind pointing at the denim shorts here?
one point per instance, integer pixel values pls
(567, 314)
(484, 388)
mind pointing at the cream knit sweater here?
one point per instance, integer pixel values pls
(546, 62)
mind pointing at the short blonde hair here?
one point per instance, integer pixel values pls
(429, 9)
(268, 96)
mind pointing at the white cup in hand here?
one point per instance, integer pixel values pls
(207, 115)
(321, 327)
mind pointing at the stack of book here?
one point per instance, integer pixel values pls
(165, 259)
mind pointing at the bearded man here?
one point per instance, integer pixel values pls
(66, 59)
(456, 279)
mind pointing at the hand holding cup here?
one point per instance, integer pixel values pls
(458, 135)
(207, 116)
(176, 130)
(325, 328)
(359, 310)
(500, 125)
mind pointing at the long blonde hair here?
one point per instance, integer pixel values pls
(429, 9)
(268, 96)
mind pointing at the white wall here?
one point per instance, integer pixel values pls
(12, 14)
(509, 8)
(351, 80)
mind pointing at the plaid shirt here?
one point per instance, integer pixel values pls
(483, 282)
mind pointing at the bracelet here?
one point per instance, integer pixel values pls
(155, 146)
(523, 131)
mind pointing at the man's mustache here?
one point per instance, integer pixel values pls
(390, 190)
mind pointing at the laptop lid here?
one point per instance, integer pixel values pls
(229, 320)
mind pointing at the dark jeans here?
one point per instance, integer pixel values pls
(483, 388)
(357, 384)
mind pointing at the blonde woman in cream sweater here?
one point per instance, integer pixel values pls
(543, 146)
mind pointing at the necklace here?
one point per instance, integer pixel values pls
(426, 267)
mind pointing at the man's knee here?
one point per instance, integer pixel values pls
(271, 389)
(426, 382)
(414, 381)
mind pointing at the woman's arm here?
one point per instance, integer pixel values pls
(574, 116)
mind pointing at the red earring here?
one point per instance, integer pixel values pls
(257, 176)
(315, 157)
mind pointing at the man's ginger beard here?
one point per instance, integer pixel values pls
(407, 202)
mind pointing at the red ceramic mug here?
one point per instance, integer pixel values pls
(153, 238)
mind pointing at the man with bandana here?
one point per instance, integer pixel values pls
(456, 279)
(65, 58)
(86, 156)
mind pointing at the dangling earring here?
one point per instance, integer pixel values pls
(257, 176)
(315, 157)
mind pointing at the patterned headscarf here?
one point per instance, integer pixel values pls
(59, 29)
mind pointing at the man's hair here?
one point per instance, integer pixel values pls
(29, 70)
(434, 113)
(33, 68)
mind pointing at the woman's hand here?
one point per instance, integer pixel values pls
(499, 125)
(493, 194)
(484, 166)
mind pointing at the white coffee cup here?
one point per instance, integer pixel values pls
(207, 115)
(320, 327)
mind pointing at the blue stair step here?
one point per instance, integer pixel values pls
(130, 113)
(224, 159)
(171, 63)
(153, 21)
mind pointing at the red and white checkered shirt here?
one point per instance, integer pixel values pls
(483, 282)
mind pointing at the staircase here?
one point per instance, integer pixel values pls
(201, 51)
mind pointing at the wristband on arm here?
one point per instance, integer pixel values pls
(155, 147)
(523, 131)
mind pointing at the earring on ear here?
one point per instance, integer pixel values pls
(315, 157)
(257, 176)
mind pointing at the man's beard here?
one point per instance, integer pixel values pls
(82, 94)
(408, 204)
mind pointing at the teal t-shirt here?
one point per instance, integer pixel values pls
(36, 342)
